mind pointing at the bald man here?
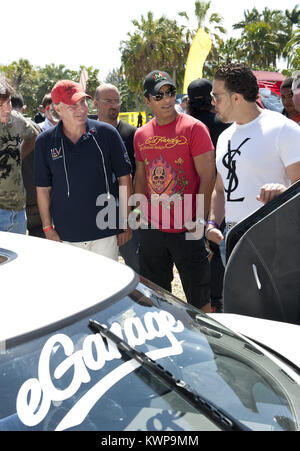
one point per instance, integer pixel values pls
(108, 103)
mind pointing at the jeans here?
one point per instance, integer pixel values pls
(228, 226)
(13, 221)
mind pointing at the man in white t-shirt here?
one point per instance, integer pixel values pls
(257, 157)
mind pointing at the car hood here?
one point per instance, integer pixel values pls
(45, 284)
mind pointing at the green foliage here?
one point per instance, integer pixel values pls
(293, 50)
(266, 37)
(24, 78)
(130, 102)
(34, 82)
(269, 36)
(154, 44)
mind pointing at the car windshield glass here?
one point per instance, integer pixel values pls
(75, 379)
(271, 100)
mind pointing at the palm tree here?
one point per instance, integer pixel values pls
(212, 24)
(116, 78)
(276, 28)
(155, 44)
(258, 46)
(293, 16)
(229, 52)
(293, 50)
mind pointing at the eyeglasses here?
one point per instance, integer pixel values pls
(169, 93)
(116, 102)
(215, 96)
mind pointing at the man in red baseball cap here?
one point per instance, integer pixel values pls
(78, 162)
(69, 101)
(68, 92)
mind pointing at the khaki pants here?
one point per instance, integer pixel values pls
(105, 246)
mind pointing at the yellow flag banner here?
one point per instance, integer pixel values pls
(199, 50)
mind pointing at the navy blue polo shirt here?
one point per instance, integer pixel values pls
(76, 175)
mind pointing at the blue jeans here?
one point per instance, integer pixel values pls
(222, 245)
(13, 221)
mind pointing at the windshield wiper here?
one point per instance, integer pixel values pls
(214, 413)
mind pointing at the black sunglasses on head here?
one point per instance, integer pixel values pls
(169, 93)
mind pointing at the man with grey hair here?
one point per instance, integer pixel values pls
(108, 102)
(17, 138)
(296, 90)
(80, 167)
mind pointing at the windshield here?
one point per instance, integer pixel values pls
(75, 379)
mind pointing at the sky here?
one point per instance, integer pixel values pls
(88, 33)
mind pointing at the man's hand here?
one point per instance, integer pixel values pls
(124, 237)
(52, 235)
(269, 191)
(215, 235)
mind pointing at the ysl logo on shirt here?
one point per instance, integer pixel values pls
(230, 164)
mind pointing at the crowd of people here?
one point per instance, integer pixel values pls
(162, 194)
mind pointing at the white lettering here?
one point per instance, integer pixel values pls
(35, 396)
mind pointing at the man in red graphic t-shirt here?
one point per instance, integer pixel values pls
(175, 166)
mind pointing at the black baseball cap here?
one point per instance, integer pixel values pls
(199, 89)
(155, 80)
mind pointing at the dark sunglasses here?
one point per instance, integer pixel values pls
(169, 93)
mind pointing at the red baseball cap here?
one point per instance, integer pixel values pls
(68, 92)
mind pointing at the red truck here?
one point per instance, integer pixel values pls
(269, 89)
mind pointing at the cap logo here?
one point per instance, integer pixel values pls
(159, 76)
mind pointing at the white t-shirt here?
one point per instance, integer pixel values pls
(46, 125)
(249, 156)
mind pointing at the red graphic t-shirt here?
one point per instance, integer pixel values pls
(172, 180)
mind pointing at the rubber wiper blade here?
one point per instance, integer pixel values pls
(222, 419)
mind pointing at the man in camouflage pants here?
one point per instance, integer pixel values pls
(17, 137)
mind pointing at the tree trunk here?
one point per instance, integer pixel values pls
(174, 75)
